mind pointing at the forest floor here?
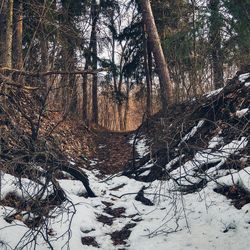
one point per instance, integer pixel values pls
(113, 150)
(95, 148)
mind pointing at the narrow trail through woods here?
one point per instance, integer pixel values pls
(112, 152)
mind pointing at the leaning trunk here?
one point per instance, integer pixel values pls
(161, 64)
(148, 78)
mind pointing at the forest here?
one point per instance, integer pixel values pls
(124, 124)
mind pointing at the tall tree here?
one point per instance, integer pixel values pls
(160, 61)
(69, 35)
(9, 35)
(215, 41)
(146, 53)
(18, 35)
(95, 17)
(238, 28)
(3, 8)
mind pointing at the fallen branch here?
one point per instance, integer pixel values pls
(5, 70)
(140, 197)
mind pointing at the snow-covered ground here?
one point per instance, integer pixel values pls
(202, 220)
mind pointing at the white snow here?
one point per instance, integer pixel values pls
(215, 141)
(174, 161)
(22, 187)
(243, 77)
(193, 131)
(214, 92)
(242, 112)
(186, 173)
(140, 145)
(247, 84)
(203, 220)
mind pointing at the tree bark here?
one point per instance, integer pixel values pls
(3, 11)
(95, 16)
(9, 35)
(44, 47)
(85, 94)
(148, 78)
(18, 36)
(215, 41)
(69, 56)
(160, 61)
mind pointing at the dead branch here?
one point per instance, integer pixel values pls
(8, 81)
(5, 70)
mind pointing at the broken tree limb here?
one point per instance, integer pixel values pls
(56, 164)
(78, 175)
(5, 70)
(140, 197)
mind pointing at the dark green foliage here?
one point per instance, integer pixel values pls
(238, 20)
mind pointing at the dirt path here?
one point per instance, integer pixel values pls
(112, 151)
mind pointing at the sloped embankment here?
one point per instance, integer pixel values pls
(30, 155)
(200, 141)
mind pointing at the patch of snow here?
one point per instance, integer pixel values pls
(215, 141)
(242, 112)
(243, 77)
(247, 84)
(174, 161)
(72, 163)
(193, 131)
(22, 187)
(140, 145)
(93, 162)
(72, 187)
(242, 178)
(186, 172)
(38, 168)
(204, 220)
(214, 92)
(145, 173)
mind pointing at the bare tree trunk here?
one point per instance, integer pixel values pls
(125, 119)
(85, 95)
(9, 35)
(95, 16)
(68, 52)
(3, 10)
(161, 64)
(120, 116)
(92, 52)
(18, 36)
(114, 72)
(193, 78)
(148, 78)
(85, 98)
(44, 57)
(215, 41)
